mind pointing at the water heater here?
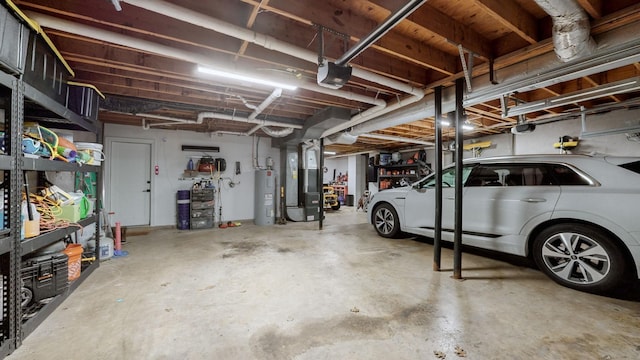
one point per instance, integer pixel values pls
(265, 211)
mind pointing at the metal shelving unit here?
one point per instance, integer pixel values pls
(32, 323)
(35, 243)
(21, 99)
(393, 175)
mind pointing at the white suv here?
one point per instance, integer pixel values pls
(575, 215)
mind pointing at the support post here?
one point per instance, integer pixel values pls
(437, 236)
(320, 183)
(457, 237)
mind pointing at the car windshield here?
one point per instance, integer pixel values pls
(448, 178)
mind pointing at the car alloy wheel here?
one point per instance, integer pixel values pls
(385, 220)
(580, 257)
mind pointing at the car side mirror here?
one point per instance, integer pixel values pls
(419, 188)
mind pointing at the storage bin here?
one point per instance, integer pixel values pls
(44, 277)
(197, 213)
(202, 194)
(201, 204)
(44, 70)
(14, 37)
(199, 223)
(83, 99)
(94, 150)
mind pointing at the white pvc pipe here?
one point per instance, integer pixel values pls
(268, 42)
(397, 138)
(184, 55)
(275, 94)
(169, 118)
(370, 114)
(215, 115)
(193, 17)
(254, 129)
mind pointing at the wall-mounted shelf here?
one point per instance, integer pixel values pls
(35, 243)
(42, 164)
(391, 176)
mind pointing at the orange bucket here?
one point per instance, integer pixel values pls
(74, 252)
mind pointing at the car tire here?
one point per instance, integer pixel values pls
(581, 257)
(386, 221)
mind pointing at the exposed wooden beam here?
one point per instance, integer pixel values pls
(592, 7)
(334, 16)
(513, 16)
(252, 18)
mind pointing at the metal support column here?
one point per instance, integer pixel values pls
(15, 280)
(320, 182)
(457, 237)
(437, 236)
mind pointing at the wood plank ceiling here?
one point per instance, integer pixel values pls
(421, 51)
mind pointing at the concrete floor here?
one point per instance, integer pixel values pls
(294, 292)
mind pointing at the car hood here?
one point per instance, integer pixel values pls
(393, 192)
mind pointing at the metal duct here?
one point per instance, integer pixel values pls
(344, 138)
(571, 28)
(315, 126)
(277, 133)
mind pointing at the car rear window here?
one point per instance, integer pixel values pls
(567, 176)
(529, 174)
(633, 166)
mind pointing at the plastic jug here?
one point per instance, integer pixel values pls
(30, 228)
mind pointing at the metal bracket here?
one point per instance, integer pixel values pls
(504, 104)
(492, 74)
(466, 68)
(320, 45)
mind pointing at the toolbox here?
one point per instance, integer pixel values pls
(44, 277)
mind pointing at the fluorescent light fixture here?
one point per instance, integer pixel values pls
(329, 152)
(250, 79)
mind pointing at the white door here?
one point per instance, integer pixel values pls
(130, 182)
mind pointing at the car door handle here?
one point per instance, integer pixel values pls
(533, 200)
(148, 190)
(451, 198)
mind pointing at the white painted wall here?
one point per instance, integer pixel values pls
(340, 165)
(237, 203)
(542, 139)
(352, 168)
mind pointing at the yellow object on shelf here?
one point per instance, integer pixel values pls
(565, 145)
(477, 145)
